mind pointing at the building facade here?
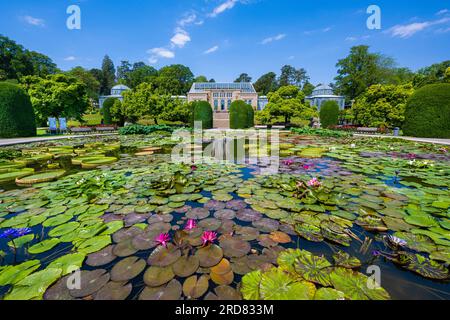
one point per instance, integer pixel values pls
(116, 93)
(323, 93)
(263, 101)
(221, 95)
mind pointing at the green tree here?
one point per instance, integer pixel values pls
(287, 102)
(106, 110)
(308, 88)
(329, 114)
(108, 76)
(243, 77)
(123, 72)
(292, 77)
(16, 113)
(56, 96)
(362, 69)
(176, 110)
(428, 112)
(174, 79)
(436, 73)
(141, 73)
(447, 75)
(16, 61)
(382, 105)
(266, 83)
(118, 113)
(201, 79)
(142, 101)
(202, 112)
(89, 80)
(239, 115)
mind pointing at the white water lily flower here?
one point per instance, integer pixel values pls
(353, 145)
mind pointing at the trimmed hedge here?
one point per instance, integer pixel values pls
(240, 115)
(139, 129)
(427, 112)
(203, 112)
(329, 114)
(250, 116)
(17, 117)
(106, 110)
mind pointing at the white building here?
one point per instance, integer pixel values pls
(323, 93)
(116, 93)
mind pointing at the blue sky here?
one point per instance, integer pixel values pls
(223, 38)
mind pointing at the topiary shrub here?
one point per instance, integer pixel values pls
(16, 112)
(329, 114)
(428, 112)
(203, 112)
(239, 114)
(250, 116)
(106, 110)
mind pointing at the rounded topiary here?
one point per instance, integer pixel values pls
(329, 114)
(250, 116)
(239, 115)
(16, 112)
(427, 112)
(203, 113)
(106, 110)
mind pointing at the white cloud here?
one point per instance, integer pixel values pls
(211, 50)
(442, 12)
(355, 38)
(227, 5)
(408, 30)
(34, 21)
(274, 38)
(310, 32)
(70, 58)
(291, 57)
(351, 39)
(187, 19)
(443, 30)
(157, 53)
(326, 29)
(180, 38)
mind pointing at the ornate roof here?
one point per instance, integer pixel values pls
(200, 87)
(120, 87)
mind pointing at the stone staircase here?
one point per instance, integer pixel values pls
(221, 120)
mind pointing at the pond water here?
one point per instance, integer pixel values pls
(104, 219)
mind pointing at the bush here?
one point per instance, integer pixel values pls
(139, 129)
(329, 114)
(321, 132)
(250, 116)
(106, 110)
(17, 117)
(428, 112)
(239, 115)
(203, 112)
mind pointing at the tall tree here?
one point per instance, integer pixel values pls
(201, 79)
(89, 80)
(361, 69)
(244, 77)
(142, 101)
(266, 83)
(174, 79)
(123, 72)
(141, 73)
(435, 73)
(16, 61)
(292, 77)
(108, 76)
(56, 95)
(308, 88)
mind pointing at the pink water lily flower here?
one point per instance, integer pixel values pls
(288, 162)
(411, 156)
(208, 237)
(194, 168)
(314, 182)
(163, 239)
(190, 225)
(306, 167)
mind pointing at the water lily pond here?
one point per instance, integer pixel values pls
(113, 218)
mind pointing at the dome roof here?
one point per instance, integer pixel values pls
(120, 87)
(322, 89)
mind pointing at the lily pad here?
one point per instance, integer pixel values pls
(127, 269)
(101, 257)
(114, 291)
(43, 246)
(157, 276)
(235, 248)
(164, 256)
(209, 256)
(194, 288)
(314, 268)
(186, 266)
(90, 282)
(171, 291)
(277, 285)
